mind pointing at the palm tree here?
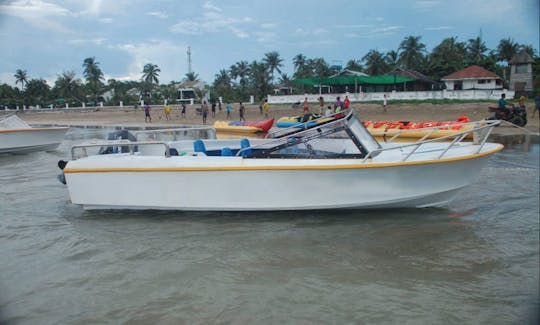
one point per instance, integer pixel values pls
(191, 76)
(299, 61)
(149, 78)
(241, 70)
(259, 78)
(21, 77)
(320, 68)
(476, 49)
(392, 59)
(354, 65)
(222, 84)
(67, 86)
(447, 57)
(150, 74)
(506, 49)
(412, 53)
(375, 63)
(529, 49)
(93, 75)
(37, 91)
(273, 61)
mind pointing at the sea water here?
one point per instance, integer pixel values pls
(474, 262)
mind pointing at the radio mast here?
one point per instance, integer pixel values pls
(189, 58)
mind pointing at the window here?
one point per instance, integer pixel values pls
(521, 68)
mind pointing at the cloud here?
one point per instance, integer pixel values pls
(93, 41)
(210, 6)
(212, 22)
(168, 56)
(158, 14)
(40, 14)
(439, 28)
(426, 4)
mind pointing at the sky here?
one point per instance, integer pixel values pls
(49, 37)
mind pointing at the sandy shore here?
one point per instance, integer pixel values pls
(371, 112)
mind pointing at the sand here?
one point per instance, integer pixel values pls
(371, 112)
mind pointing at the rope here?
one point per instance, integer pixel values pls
(519, 127)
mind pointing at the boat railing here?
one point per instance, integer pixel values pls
(480, 130)
(115, 144)
(179, 133)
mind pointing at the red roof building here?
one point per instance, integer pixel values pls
(473, 77)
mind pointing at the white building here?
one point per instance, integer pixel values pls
(473, 77)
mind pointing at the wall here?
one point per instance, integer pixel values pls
(402, 95)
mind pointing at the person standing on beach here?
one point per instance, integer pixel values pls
(306, 107)
(147, 118)
(321, 105)
(266, 108)
(167, 109)
(384, 103)
(213, 109)
(228, 109)
(183, 110)
(204, 111)
(242, 112)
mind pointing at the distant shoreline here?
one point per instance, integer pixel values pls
(365, 111)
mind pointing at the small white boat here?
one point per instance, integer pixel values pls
(16, 136)
(333, 165)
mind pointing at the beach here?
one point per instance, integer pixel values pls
(366, 112)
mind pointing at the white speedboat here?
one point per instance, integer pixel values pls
(333, 165)
(16, 136)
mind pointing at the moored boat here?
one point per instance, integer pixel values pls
(244, 127)
(337, 164)
(16, 136)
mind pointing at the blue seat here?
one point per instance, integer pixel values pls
(226, 151)
(244, 143)
(198, 146)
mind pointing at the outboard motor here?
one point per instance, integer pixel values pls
(61, 177)
(118, 135)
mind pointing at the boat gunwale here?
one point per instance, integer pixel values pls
(361, 165)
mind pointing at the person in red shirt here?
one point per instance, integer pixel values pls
(346, 102)
(306, 107)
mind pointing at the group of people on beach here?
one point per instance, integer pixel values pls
(204, 110)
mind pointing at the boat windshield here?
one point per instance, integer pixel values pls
(344, 137)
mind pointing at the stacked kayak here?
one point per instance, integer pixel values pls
(407, 129)
(244, 127)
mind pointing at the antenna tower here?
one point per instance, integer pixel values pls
(189, 58)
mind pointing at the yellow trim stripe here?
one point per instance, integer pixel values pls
(68, 170)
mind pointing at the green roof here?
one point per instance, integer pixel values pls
(351, 80)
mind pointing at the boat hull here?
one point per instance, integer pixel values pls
(182, 183)
(31, 139)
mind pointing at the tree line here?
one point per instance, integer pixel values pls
(258, 78)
